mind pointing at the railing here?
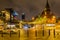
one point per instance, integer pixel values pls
(31, 33)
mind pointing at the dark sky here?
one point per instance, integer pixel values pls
(31, 7)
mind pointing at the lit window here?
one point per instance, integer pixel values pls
(54, 17)
(33, 18)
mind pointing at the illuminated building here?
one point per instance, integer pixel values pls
(8, 17)
(51, 18)
(58, 20)
(10, 14)
(47, 16)
(46, 11)
(46, 19)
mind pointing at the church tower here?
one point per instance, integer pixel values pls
(51, 18)
(47, 8)
(46, 11)
(47, 15)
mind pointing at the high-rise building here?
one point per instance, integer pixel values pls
(23, 16)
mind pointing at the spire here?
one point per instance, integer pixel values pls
(46, 11)
(47, 6)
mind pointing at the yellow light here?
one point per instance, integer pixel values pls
(33, 18)
(3, 11)
(45, 9)
(44, 16)
(54, 17)
(45, 13)
(59, 22)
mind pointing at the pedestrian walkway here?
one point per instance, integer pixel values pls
(32, 35)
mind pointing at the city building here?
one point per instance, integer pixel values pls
(8, 18)
(45, 20)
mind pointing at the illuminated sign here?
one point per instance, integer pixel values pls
(50, 24)
(11, 26)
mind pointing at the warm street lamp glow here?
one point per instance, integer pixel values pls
(3, 11)
(54, 17)
(33, 18)
(45, 17)
(45, 13)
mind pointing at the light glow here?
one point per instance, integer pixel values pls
(50, 24)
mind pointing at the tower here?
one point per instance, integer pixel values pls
(47, 7)
(23, 16)
(46, 11)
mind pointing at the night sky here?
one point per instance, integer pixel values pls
(31, 7)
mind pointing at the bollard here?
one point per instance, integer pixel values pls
(2, 34)
(10, 33)
(49, 32)
(54, 32)
(27, 33)
(35, 33)
(19, 33)
(43, 32)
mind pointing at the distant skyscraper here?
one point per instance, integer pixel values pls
(23, 16)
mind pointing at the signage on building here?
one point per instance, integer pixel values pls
(10, 26)
(50, 25)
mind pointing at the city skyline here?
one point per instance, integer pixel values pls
(30, 7)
